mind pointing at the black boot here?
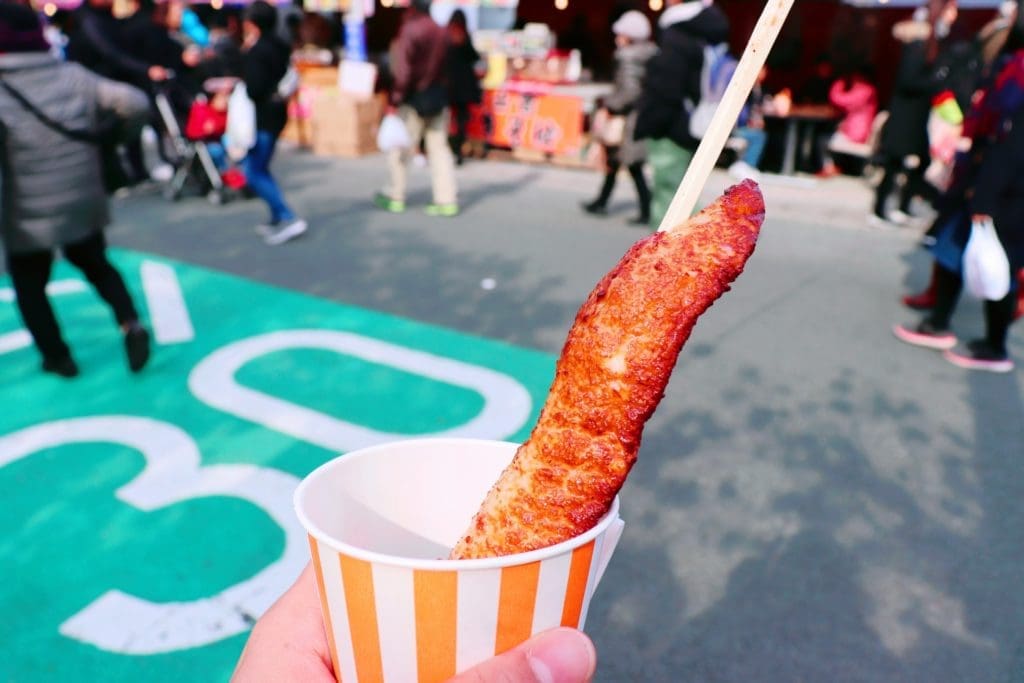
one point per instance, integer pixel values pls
(65, 367)
(599, 207)
(643, 194)
(136, 347)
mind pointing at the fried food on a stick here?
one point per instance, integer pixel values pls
(610, 377)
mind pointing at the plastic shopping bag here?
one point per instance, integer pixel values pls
(986, 268)
(240, 133)
(393, 134)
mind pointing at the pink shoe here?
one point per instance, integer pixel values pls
(926, 336)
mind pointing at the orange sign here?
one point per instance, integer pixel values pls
(546, 123)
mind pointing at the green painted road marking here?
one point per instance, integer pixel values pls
(147, 518)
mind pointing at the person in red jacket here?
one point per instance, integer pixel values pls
(420, 97)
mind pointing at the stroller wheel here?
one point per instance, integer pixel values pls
(215, 197)
(171, 194)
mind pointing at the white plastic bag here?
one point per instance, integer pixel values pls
(289, 83)
(986, 268)
(393, 134)
(240, 134)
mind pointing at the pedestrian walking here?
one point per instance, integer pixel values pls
(420, 98)
(990, 187)
(53, 195)
(97, 43)
(632, 37)
(904, 141)
(265, 62)
(463, 83)
(673, 78)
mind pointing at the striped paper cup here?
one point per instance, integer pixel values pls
(382, 519)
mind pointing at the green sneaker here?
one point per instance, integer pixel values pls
(445, 210)
(389, 204)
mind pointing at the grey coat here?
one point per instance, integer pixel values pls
(52, 190)
(630, 63)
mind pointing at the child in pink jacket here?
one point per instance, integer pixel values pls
(857, 98)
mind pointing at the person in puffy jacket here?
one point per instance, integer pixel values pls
(857, 98)
(632, 37)
(672, 79)
(52, 189)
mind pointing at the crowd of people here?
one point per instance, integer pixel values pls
(948, 136)
(985, 182)
(658, 85)
(86, 86)
(68, 103)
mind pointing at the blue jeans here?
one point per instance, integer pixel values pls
(257, 175)
(756, 139)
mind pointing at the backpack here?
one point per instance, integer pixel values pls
(715, 74)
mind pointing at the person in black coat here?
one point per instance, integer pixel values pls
(97, 43)
(904, 146)
(145, 35)
(265, 62)
(463, 83)
(671, 79)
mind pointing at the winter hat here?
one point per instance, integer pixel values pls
(20, 29)
(634, 25)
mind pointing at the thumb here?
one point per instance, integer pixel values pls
(562, 655)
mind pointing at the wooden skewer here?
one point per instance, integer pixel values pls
(735, 96)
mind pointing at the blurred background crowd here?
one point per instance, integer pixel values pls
(919, 98)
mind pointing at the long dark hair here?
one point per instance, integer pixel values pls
(1015, 41)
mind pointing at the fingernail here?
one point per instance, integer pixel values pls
(563, 656)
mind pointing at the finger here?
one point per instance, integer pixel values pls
(289, 642)
(562, 655)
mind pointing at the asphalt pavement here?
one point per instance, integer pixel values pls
(813, 501)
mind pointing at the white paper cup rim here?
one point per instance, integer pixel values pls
(435, 565)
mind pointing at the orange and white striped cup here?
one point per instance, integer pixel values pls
(382, 519)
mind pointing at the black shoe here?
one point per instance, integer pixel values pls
(980, 356)
(136, 346)
(65, 367)
(640, 220)
(596, 208)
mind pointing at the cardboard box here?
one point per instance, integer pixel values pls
(342, 125)
(318, 76)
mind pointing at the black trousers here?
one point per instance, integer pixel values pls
(636, 172)
(915, 185)
(460, 112)
(30, 271)
(998, 314)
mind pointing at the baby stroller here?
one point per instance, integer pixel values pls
(195, 146)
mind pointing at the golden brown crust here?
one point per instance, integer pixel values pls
(611, 375)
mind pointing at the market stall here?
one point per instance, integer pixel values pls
(534, 103)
